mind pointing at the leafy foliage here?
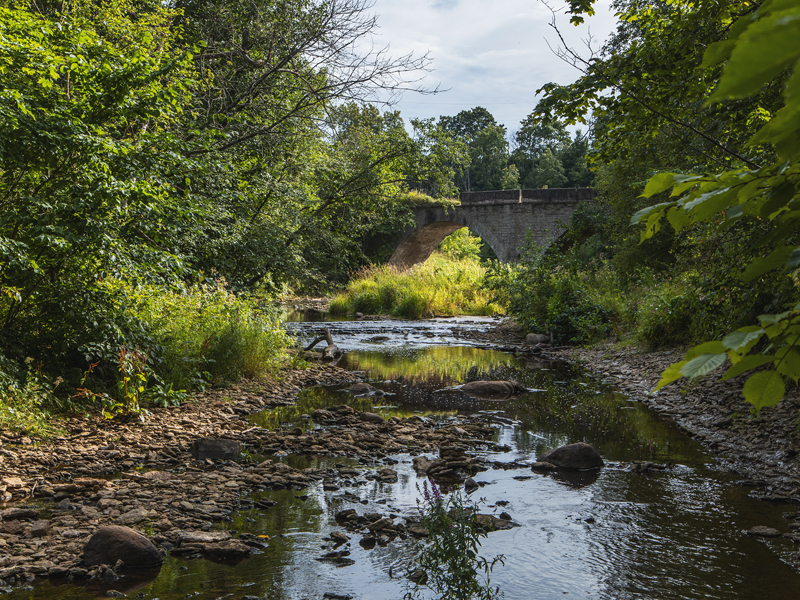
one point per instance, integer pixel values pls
(763, 194)
(451, 559)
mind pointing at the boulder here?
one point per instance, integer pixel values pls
(40, 528)
(578, 456)
(369, 417)
(537, 338)
(321, 415)
(215, 449)
(113, 542)
(496, 390)
(492, 523)
(421, 464)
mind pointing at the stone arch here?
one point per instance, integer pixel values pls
(418, 245)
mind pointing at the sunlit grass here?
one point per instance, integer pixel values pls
(439, 287)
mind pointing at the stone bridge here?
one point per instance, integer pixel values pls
(502, 219)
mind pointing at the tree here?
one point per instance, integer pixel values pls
(548, 171)
(489, 158)
(761, 47)
(485, 139)
(510, 179)
(92, 175)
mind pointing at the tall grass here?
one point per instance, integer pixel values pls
(204, 334)
(439, 287)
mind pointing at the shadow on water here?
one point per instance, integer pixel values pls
(607, 535)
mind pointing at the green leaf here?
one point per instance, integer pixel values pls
(773, 319)
(765, 49)
(748, 363)
(741, 338)
(678, 218)
(658, 183)
(705, 348)
(709, 204)
(777, 198)
(718, 52)
(670, 374)
(776, 259)
(702, 365)
(640, 215)
(789, 365)
(652, 226)
(765, 388)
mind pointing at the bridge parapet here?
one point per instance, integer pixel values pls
(527, 195)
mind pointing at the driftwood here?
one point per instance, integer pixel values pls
(332, 351)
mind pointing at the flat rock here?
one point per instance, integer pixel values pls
(577, 456)
(229, 550)
(215, 449)
(763, 531)
(363, 389)
(113, 542)
(11, 514)
(202, 537)
(137, 515)
(497, 390)
(543, 466)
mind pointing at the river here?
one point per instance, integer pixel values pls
(612, 534)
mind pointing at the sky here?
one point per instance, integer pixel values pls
(490, 53)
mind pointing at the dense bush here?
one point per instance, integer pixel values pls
(556, 301)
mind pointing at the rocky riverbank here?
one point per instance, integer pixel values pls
(188, 468)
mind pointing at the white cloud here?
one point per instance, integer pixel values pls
(490, 54)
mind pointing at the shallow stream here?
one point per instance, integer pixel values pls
(612, 534)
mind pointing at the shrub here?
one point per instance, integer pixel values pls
(25, 403)
(339, 305)
(666, 316)
(450, 561)
(461, 244)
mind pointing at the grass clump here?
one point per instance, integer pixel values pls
(441, 286)
(204, 334)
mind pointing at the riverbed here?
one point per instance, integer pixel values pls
(621, 532)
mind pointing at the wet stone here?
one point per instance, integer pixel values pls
(215, 449)
(577, 456)
(763, 531)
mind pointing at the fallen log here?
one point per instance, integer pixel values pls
(332, 351)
